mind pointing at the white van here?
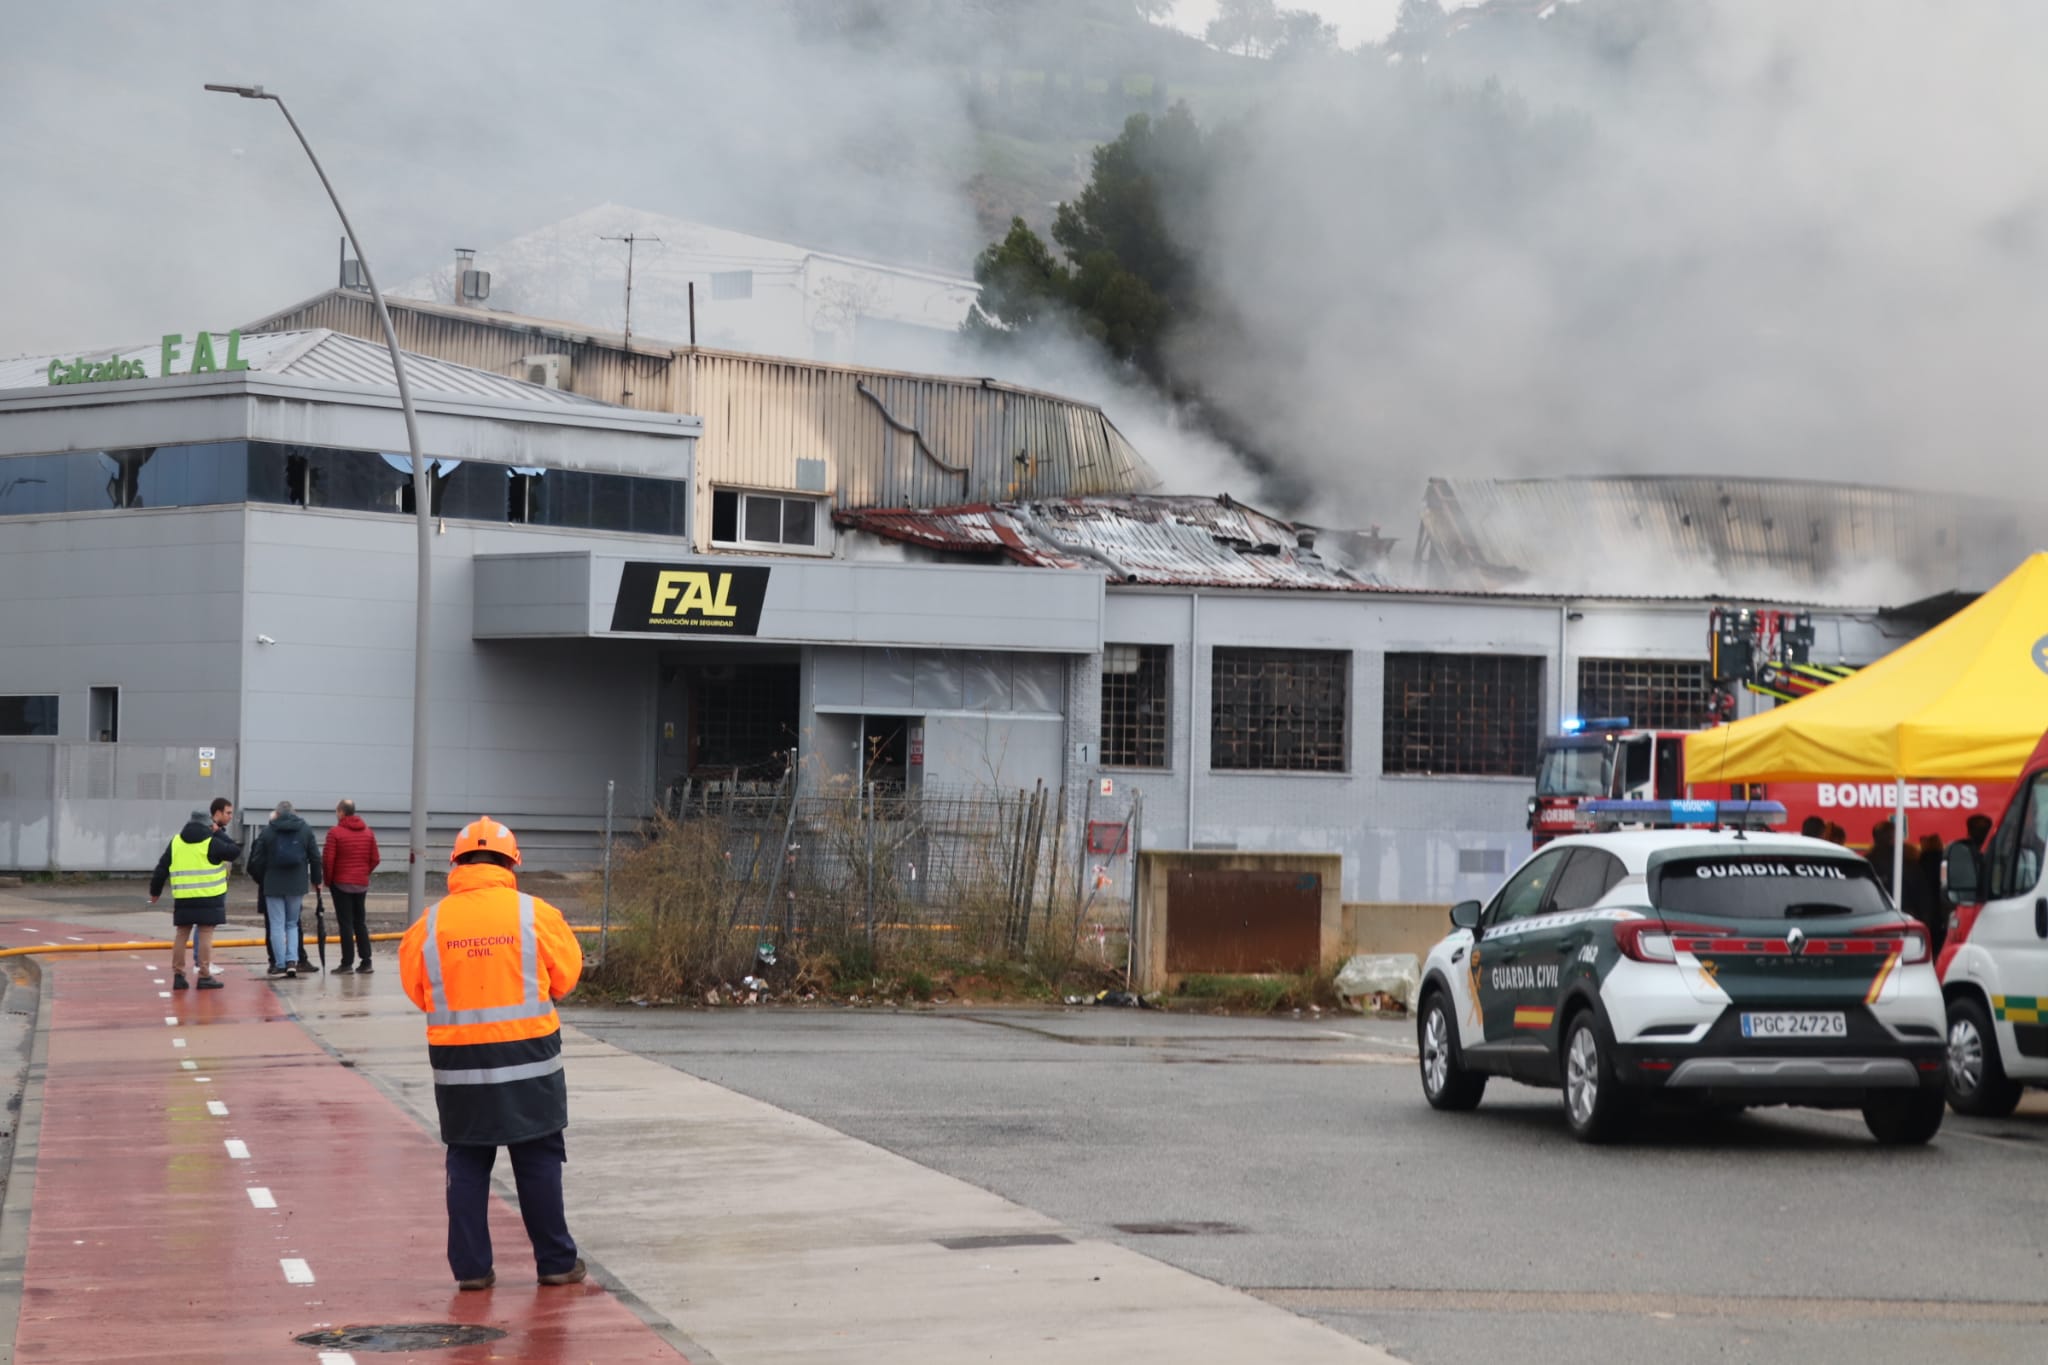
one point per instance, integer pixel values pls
(1994, 963)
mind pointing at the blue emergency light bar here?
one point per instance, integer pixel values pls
(1746, 814)
(1572, 725)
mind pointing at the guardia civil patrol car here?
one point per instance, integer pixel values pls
(1715, 967)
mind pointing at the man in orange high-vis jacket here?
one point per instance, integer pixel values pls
(487, 963)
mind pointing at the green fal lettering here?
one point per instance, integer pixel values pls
(206, 358)
(203, 360)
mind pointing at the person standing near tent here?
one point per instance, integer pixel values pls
(195, 865)
(1883, 853)
(1936, 918)
(487, 963)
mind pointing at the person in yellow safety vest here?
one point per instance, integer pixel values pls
(195, 866)
(486, 963)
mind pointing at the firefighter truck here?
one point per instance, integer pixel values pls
(1768, 653)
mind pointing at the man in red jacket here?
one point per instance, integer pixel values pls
(348, 858)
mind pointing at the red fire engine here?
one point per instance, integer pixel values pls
(1769, 653)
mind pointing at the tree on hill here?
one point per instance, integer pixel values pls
(1125, 280)
(1250, 27)
(1303, 33)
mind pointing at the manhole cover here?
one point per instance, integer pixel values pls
(1178, 1229)
(400, 1336)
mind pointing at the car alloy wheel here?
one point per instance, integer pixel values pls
(1436, 1051)
(1582, 1078)
(1965, 1056)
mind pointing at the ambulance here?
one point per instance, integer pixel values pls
(1994, 959)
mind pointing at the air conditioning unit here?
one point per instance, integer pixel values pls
(548, 371)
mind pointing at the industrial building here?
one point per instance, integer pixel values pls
(662, 566)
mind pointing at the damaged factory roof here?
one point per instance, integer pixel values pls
(1701, 536)
(1159, 539)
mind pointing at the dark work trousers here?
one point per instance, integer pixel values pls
(537, 1169)
(351, 925)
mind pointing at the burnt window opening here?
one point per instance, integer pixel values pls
(1137, 683)
(1279, 710)
(1655, 694)
(743, 719)
(1461, 714)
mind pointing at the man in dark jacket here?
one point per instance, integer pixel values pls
(348, 858)
(195, 864)
(286, 863)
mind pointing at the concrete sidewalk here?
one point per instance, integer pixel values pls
(737, 1232)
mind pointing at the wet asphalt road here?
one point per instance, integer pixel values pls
(1307, 1169)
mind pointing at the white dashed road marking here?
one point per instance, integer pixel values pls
(296, 1271)
(163, 995)
(171, 1019)
(217, 1109)
(177, 1042)
(262, 1198)
(336, 1358)
(238, 1149)
(189, 1065)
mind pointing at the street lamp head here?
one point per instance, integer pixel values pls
(247, 92)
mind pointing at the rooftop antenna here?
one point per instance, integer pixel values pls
(629, 239)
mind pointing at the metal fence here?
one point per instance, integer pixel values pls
(991, 870)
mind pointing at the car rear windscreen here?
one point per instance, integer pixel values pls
(1767, 887)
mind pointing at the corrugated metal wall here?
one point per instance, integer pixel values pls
(762, 414)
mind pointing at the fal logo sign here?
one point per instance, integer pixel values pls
(690, 599)
(205, 358)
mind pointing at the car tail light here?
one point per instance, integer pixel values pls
(1645, 941)
(1913, 947)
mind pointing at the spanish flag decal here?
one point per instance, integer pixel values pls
(1884, 974)
(1534, 1016)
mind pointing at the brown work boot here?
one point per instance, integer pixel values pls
(573, 1275)
(483, 1281)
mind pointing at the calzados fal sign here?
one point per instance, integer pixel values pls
(204, 357)
(690, 599)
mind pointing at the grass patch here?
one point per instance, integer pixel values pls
(1264, 994)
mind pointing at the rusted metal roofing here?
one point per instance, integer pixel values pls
(1158, 539)
(318, 354)
(1692, 536)
(859, 437)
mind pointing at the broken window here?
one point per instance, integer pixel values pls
(1279, 710)
(1654, 694)
(743, 719)
(1136, 683)
(1476, 714)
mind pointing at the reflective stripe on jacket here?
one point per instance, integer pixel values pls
(486, 964)
(194, 875)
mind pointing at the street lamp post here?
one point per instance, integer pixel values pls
(422, 496)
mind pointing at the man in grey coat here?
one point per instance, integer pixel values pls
(286, 863)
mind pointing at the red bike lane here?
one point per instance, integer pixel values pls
(210, 1184)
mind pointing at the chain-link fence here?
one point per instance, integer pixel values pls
(975, 871)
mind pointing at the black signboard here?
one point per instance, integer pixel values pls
(690, 599)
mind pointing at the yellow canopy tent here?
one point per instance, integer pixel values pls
(1969, 699)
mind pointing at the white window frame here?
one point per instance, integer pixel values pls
(821, 521)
